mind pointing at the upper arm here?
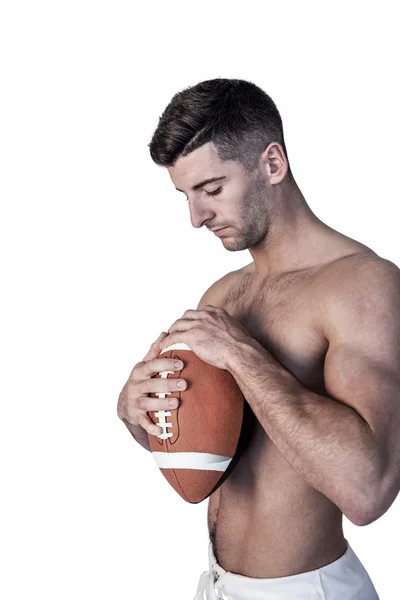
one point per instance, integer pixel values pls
(362, 325)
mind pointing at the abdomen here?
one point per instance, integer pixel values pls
(266, 521)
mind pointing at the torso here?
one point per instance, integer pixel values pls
(265, 520)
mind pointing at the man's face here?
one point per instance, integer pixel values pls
(240, 202)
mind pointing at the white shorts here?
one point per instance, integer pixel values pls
(343, 579)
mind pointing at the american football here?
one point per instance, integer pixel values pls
(202, 439)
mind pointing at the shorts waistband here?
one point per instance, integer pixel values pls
(343, 578)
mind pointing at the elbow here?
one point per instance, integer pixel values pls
(364, 516)
(373, 507)
(362, 519)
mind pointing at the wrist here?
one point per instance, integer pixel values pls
(243, 356)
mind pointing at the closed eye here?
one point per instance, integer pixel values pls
(214, 193)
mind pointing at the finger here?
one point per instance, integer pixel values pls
(159, 385)
(182, 325)
(152, 353)
(154, 404)
(159, 365)
(179, 337)
(148, 425)
(155, 348)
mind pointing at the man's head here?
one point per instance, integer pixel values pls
(230, 129)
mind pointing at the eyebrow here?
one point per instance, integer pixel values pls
(199, 185)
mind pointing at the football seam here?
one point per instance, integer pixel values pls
(177, 481)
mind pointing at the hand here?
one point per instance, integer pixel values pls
(212, 334)
(134, 401)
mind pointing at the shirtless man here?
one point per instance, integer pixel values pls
(309, 330)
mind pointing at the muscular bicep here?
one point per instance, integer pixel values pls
(362, 362)
(359, 376)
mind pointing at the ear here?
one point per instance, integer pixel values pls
(275, 163)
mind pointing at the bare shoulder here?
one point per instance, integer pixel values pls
(361, 268)
(356, 283)
(218, 291)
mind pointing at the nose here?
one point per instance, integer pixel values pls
(199, 215)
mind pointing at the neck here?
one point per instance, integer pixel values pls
(296, 238)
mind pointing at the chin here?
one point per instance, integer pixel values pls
(235, 247)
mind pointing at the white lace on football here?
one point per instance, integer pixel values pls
(161, 414)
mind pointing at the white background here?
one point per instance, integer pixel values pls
(99, 256)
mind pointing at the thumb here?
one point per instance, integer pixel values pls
(155, 347)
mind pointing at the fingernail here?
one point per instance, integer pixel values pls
(178, 365)
(181, 384)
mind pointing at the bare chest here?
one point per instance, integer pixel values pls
(283, 315)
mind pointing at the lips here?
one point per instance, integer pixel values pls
(219, 231)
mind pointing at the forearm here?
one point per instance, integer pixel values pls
(327, 443)
(139, 434)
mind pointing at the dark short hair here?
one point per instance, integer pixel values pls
(236, 115)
